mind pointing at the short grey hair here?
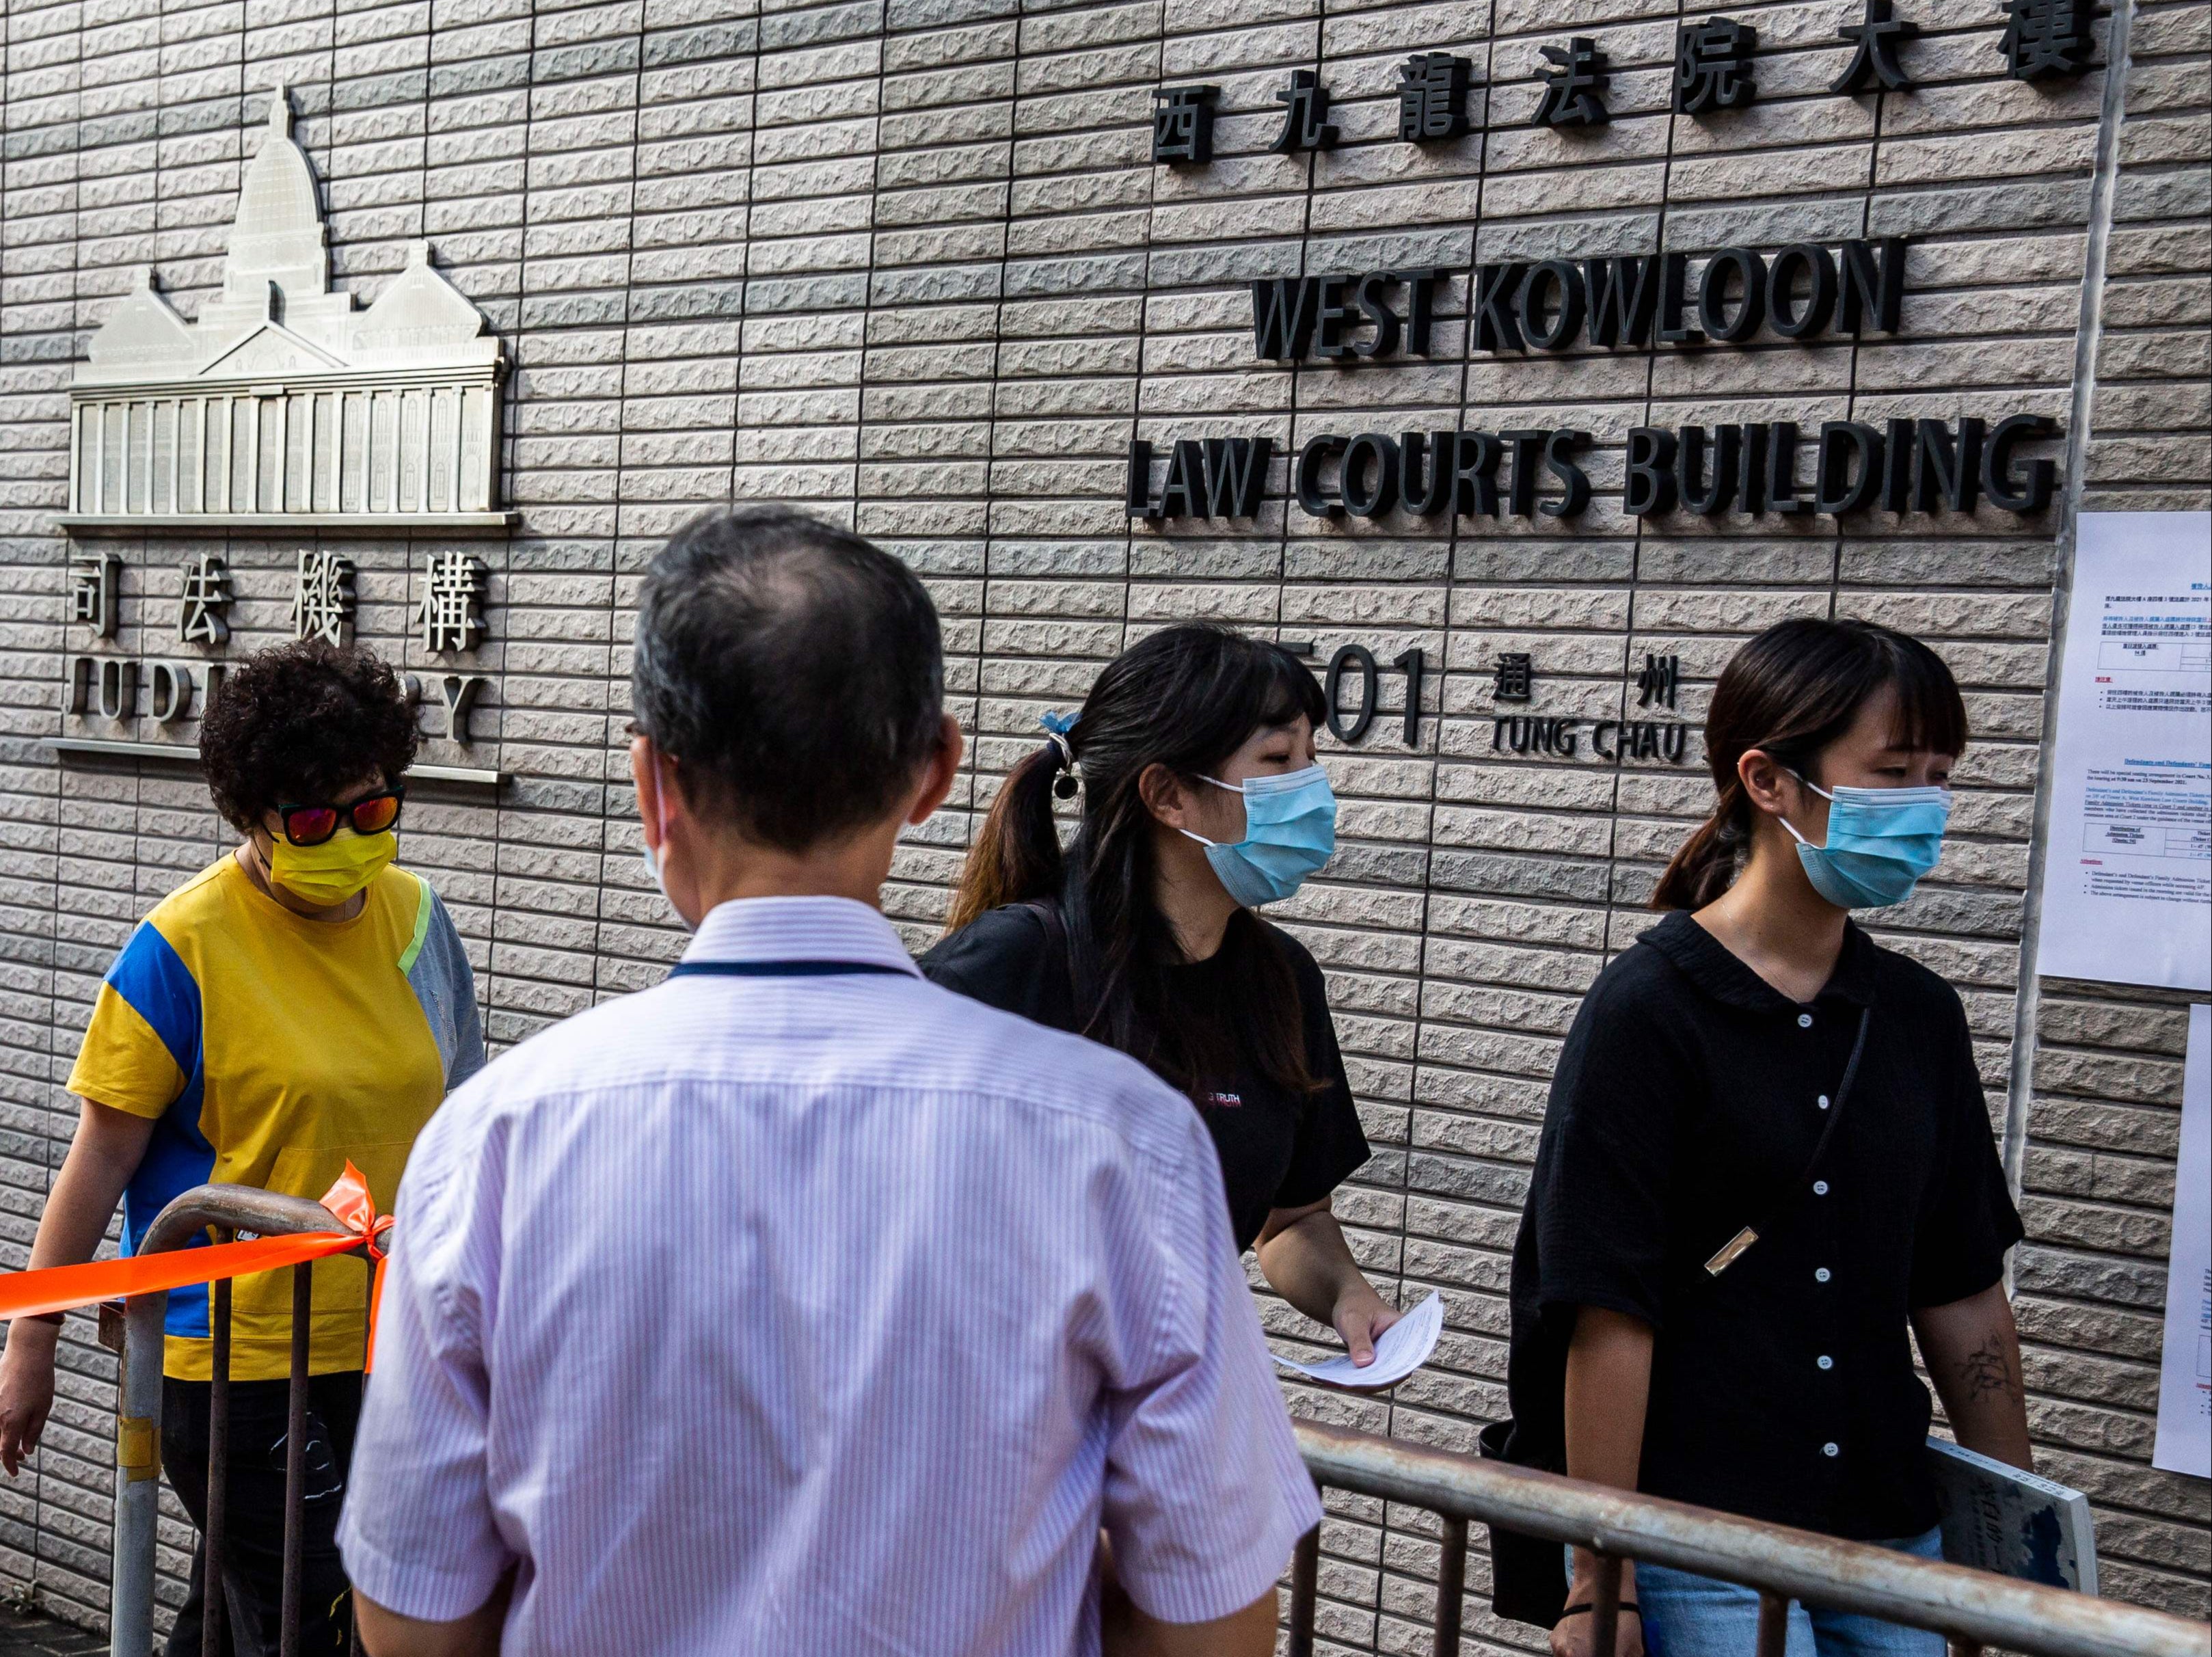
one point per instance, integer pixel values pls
(795, 671)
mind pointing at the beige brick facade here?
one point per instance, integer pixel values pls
(908, 261)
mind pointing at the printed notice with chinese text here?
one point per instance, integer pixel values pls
(2127, 880)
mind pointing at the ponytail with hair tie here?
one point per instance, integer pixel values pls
(1061, 751)
(1017, 857)
(1705, 866)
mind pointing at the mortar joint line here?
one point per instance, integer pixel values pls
(1143, 333)
(1452, 540)
(975, 756)
(609, 781)
(2028, 999)
(1612, 861)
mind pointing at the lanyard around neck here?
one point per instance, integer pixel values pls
(781, 969)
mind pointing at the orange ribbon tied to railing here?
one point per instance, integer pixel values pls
(348, 1199)
(64, 1287)
(354, 1208)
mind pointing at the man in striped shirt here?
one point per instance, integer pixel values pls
(798, 1306)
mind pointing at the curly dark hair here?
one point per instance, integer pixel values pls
(296, 725)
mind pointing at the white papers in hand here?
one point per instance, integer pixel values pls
(1405, 1347)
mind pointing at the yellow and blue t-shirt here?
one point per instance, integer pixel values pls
(269, 1049)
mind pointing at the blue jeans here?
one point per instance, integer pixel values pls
(1687, 1616)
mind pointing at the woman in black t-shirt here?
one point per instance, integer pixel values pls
(1767, 1167)
(1202, 798)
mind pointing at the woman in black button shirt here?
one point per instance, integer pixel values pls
(1726, 1242)
(1194, 755)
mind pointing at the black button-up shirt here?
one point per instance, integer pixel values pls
(1686, 1105)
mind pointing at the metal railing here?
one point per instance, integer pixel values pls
(230, 1209)
(1971, 1609)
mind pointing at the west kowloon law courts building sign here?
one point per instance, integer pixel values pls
(1512, 363)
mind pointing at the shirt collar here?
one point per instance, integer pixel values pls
(1712, 966)
(798, 929)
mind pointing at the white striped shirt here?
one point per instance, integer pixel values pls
(816, 1314)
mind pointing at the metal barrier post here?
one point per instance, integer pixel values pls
(368, 1348)
(1605, 1605)
(295, 1461)
(1451, 1585)
(1773, 1625)
(1305, 1584)
(138, 1478)
(213, 1602)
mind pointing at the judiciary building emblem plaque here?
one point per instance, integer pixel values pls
(282, 407)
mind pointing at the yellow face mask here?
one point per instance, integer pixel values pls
(327, 875)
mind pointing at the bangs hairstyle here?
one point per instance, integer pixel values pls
(1186, 698)
(1791, 693)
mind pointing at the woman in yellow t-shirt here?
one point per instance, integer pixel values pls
(300, 1003)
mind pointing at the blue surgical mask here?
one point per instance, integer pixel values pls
(651, 858)
(1289, 831)
(1880, 842)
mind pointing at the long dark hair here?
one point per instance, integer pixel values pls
(1186, 698)
(1790, 693)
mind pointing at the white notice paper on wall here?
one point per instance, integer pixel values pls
(1404, 1347)
(2184, 1380)
(2127, 879)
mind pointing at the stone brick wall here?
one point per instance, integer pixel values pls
(908, 261)
(2102, 1093)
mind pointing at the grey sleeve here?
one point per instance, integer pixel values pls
(448, 989)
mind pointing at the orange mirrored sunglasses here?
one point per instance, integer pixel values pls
(372, 814)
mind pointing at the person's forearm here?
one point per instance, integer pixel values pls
(1971, 1349)
(1608, 1389)
(103, 1157)
(78, 1209)
(1310, 1265)
(387, 1634)
(1125, 1631)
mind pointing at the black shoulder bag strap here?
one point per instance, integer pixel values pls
(1061, 947)
(1055, 928)
(1733, 1249)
